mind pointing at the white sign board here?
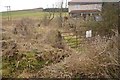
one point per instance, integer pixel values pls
(89, 33)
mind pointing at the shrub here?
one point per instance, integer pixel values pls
(24, 27)
(54, 38)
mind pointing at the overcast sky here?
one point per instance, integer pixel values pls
(27, 4)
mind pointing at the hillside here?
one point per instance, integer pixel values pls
(33, 13)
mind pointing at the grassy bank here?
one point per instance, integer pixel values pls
(22, 14)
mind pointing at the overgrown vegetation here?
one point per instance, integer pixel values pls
(109, 20)
(30, 51)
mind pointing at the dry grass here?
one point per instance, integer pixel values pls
(96, 62)
(20, 42)
(44, 49)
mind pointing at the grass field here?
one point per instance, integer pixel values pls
(27, 13)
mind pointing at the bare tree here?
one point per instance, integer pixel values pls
(60, 6)
(48, 17)
(51, 14)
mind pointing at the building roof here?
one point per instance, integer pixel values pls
(84, 1)
(84, 11)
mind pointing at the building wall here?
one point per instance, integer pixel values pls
(85, 7)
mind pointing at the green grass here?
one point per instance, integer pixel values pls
(22, 14)
(71, 41)
(11, 67)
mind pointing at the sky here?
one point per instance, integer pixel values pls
(27, 4)
(30, 4)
